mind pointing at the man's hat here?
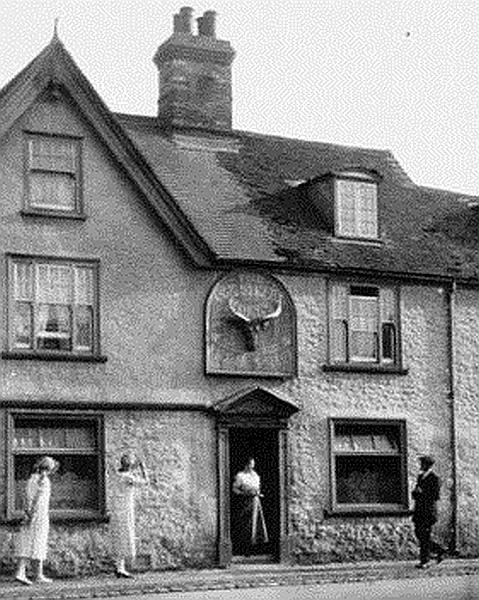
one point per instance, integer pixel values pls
(426, 460)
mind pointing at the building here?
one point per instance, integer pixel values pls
(200, 294)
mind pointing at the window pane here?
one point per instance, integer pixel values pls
(22, 325)
(388, 305)
(343, 441)
(368, 480)
(75, 485)
(23, 467)
(52, 190)
(388, 342)
(386, 442)
(363, 442)
(83, 327)
(53, 154)
(54, 327)
(347, 207)
(83, 285)
(364, 327)
(365, 438)
(54, 284)
(23, 281)
(339, 329)
(366, 210)
(52, 437)
(80, 437)
(26, 437)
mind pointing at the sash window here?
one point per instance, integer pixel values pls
(363, 324)
(368, 462)
(53, 306)
(356, 208)
(53, 174)
(76, 442)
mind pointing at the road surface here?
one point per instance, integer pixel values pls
(433, 588)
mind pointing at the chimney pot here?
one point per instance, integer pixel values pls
(177, 25)
(201, 26)
(209, 23)
(184, 19)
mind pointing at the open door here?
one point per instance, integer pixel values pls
(254, 424)
(261, 444)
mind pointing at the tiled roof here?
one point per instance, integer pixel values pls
(248, 201)
(245, 197)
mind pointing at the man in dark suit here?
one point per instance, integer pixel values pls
(426, 496)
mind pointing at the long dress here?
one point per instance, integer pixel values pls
(123, 515)
(249, 528)
(33, 537)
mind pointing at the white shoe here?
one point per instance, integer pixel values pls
(23, 579)
(43, 579)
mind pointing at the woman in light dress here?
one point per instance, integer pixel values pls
(131, 474)
(33, 535)
(249, 523)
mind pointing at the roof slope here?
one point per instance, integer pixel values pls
(243, 204)
(55, 70)
(231, 202)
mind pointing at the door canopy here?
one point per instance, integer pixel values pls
(255, 404)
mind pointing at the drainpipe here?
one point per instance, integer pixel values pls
(452, 407)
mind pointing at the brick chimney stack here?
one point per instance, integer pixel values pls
(195, 75)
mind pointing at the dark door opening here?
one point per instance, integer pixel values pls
(262, 445)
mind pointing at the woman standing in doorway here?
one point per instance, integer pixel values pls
(33, 536)
(250, 526)
(131, 474)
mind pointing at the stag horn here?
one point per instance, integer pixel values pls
(233, 304)
(276, 312)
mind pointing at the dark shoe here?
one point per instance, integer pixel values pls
(123, 574)
(440, 557)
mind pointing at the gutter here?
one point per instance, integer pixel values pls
(451, 301)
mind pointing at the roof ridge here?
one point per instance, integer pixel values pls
(312, 142)
(268, 136)
(445, 192)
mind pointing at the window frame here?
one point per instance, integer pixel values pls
(400, 507)
(357, 364)
(358, 177)
(97, 420)
(29, 209)
(51, 354)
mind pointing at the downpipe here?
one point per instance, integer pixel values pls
(451, 301)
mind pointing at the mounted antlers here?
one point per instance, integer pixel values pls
(252, 326)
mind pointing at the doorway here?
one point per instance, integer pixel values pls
(262, 444)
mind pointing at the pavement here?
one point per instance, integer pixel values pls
(238, 576)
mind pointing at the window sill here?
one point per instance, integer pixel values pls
(366, 368)
(358, 240)
(369, 511)
(64, 517)
(59, 356)
(60, 214)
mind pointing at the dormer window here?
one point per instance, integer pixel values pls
(53, 175)
(356, 210)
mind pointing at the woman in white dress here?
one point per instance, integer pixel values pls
(249, 528)
(33, 535)
(131, 474)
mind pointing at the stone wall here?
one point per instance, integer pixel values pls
(175, 515)
(467, 407)
(152, 316)
(420, 398)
